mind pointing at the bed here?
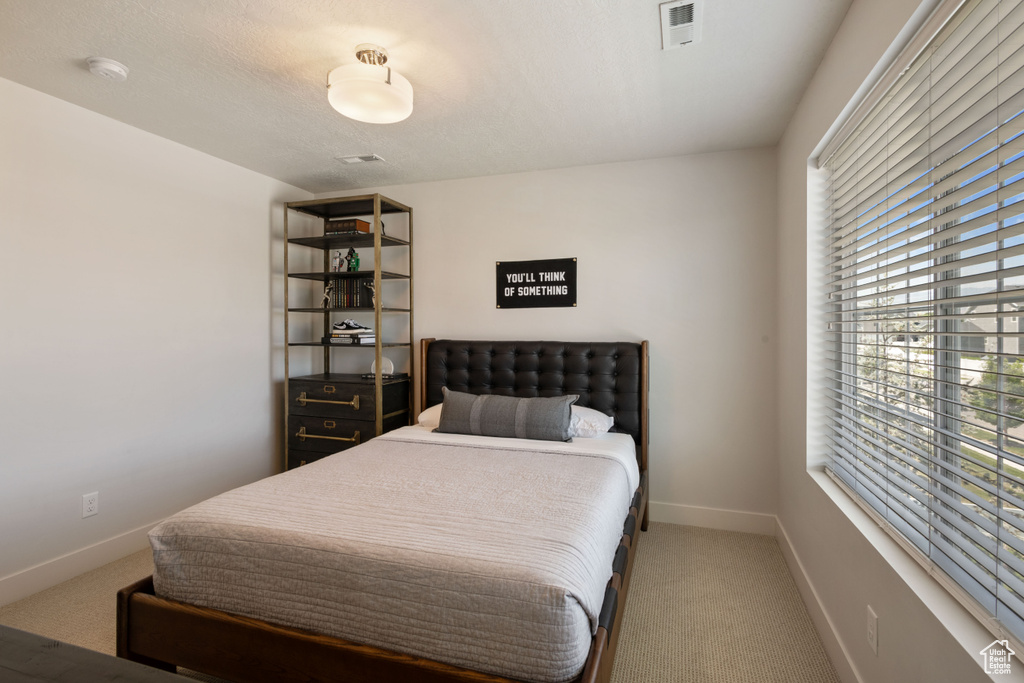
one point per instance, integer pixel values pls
(309, 639)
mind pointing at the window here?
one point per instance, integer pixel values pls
(925, 259)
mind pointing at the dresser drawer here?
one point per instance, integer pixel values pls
(336, 399)
(326, 434)
(319, 434)
(300, 458)
(353, 400)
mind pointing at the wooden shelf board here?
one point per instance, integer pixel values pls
(359, 275)
(348, 346)
(347, 309)
(347, 207)
(343, 241)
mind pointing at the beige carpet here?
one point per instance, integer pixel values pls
(81, 611)
(704, 606)
(716, 607)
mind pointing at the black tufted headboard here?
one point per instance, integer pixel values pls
(608, 376)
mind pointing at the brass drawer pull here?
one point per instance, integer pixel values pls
(302, 401)
(303, 436)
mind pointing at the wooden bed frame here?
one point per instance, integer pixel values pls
(607, 376)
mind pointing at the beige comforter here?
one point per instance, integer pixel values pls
(492, 554)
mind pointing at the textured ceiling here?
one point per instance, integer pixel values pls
(501, 86)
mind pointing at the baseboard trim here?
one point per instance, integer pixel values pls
(713, 518)
(834, 646)
(22, 584)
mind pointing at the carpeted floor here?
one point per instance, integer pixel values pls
(704, 606)
(714, 606)
(81, 611)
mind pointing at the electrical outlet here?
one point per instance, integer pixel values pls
(90, 504)
(873, 630)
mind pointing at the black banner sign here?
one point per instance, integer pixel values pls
(550, 283)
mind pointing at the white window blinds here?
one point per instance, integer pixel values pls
(925, 361)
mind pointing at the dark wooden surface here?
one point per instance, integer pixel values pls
(396, 396)
(30, 658)
(333, 420)
(347, 207)
(242, 649)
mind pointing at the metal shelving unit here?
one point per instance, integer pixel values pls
(371, 208)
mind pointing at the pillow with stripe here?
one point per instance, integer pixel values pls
(544, 418)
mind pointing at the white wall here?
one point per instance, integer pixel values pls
(678, 251)
(135, 330)
(842, 561)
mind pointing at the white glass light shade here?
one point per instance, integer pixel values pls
(362, 92)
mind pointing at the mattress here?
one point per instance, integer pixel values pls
(487, 553)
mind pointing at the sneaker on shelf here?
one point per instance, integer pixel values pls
(350, 326)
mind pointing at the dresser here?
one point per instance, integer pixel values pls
(329, 412)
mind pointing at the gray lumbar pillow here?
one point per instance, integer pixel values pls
(521, 418)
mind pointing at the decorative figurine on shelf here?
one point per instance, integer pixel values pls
(327, 295)
(353, 260)
(373, 293)
(336, 262)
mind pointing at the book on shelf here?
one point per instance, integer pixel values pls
(352, 293)
(352, 333)
(351, 339)
(348, 226)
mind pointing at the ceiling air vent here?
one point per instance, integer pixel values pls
(359, 158)
(680, 23)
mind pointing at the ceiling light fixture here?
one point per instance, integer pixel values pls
(369, 91)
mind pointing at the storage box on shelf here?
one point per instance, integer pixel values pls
(325, 411)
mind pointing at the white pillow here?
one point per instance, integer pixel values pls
(588, 423)
(431, 417)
